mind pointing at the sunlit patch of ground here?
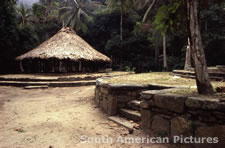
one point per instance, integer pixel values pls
(60, 117)
(161, 78)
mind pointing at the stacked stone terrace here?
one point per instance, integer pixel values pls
(163, 113)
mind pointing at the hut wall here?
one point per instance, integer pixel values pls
(58, 66)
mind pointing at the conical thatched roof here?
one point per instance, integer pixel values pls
(66, 44)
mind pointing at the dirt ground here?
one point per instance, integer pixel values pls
(59, 118)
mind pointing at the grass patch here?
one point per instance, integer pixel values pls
(161, 78)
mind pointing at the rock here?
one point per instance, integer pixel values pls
(36, 87)
(128, 87)
(132, 94)
(205, 104)
(148, 94)
(111, 106)
(123, 122)
(99, 82)
(220, 115)
(105, 105)
(134, 104)
(104, 90)
(124, 98)
(160, 126)
(144, 104)
(220, 89)
(180, 126)
(130, 114)
(209, 119)
(163, 112)
(213, 132)
(170, 102)
(146, 119)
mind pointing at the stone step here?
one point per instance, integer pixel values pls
(130, 114)
(193, 77)
(46, 79)
(123, 122)
(48, 83)
(36, 87)
(217, 76)
(134, 104)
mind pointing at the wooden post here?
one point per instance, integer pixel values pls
(165, 67)
(80, 66)
(21, 66)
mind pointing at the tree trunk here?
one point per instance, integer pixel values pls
(47, 10)
(157, 57)
(165, 66)
(187, 65)
(202, 77)
(148, 10)
(121, 20)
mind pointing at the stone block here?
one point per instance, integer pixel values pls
(170, 102)
(127, 87)
(112, 106)
(211, 131)
(130, 114)
(180, 126)
(219, 115)
(160, 126)
(208, 119)
(121, 105)
(100, 104)
(148, 94)
(163, 112)
(205, 103)
(105, 105)
(104, 90)
(146, 119)
(124, 98)
(144, 104)
(132, 94)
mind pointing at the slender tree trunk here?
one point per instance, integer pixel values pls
(47, 10)
(157, 57)
(187, 65)
(202, 77)
(165, 66)
(23, 22)
(121, 20)
(148, 10)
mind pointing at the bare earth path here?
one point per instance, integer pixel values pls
(58, 117)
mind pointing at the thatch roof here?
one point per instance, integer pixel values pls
(66, 44)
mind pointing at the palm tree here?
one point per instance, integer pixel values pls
(76, 13)
(48, 5)
(140, 4)
(123, 4)
(24, 14)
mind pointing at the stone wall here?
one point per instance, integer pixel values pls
(111, 97)
(166, 114)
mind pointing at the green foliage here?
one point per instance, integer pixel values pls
(9, 33)
(38, 11)
(23, 14)
(129, 69)
(213, 32)
(171, 17)
(77, 14)
(23, 29)
(213, 24)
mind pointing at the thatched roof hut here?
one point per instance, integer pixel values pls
(65, 45)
